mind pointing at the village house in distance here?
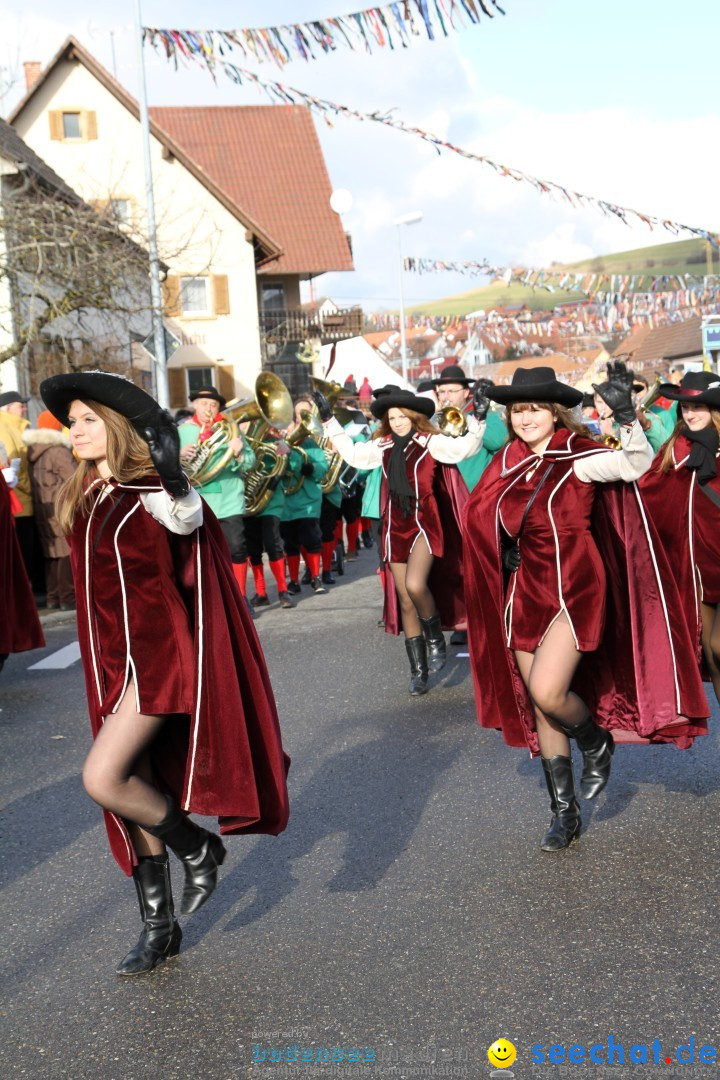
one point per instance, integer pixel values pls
(243, 213)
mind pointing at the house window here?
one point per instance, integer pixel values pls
(71, 125)
(273, 296)
(121, 211)
(194, 296)
(198, 377)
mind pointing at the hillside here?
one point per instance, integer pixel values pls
(677, 257)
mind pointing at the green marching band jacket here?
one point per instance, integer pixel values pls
(307, 502)
(472, 468)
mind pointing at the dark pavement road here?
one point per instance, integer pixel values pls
(407, 911)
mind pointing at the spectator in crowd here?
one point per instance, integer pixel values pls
(51, 463)
(13, 422)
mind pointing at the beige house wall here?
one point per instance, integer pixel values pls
(197, 236)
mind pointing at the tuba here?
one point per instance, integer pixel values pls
(271, 406)
(200, 469)
(309, 425)
(451, 421)
(336, 465)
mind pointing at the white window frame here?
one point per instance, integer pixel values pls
(208, 298)
(210, 381)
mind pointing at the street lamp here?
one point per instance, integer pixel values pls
(406, 219)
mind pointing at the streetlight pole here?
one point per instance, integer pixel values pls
(160, 359)
(406, 219)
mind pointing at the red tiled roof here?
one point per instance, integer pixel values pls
(671, 342)
(268, 159)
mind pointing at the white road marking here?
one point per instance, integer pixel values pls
(62, 658)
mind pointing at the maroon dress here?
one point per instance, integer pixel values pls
(164, 612)
(400, 532)
(20, 627)
(588, 551)
(688, 524)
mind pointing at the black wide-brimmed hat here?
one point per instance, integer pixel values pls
(105, 387)
(535, 384)
(453, 373)
(393, 397)
(696, 388)
(211, 393)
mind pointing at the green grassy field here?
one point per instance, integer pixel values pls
(677, 257)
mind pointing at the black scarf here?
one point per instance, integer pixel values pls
(398, 482)
(703, 453)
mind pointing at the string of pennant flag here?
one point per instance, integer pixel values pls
(579, 321)
(390, 26)
(328, 110)
(588, 283)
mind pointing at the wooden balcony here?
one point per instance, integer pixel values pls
(285, 325)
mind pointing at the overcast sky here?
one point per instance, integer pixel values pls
(617, 99)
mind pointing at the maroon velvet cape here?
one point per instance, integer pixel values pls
(446, 577)
(642, 682)
(177, 596)
(20, 627)
(688, 524)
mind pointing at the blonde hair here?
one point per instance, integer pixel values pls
(666, 462)
(127, 456)
(561, 414)
(418, 420)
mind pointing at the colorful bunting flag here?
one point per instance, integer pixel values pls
(288, 95)
(389, 26)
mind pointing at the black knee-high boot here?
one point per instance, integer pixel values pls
(417, 654)
(201, 853)
(161, 934)
(597, 746)
(566, 822)
(435, 640)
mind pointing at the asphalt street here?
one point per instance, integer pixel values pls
(406, 914)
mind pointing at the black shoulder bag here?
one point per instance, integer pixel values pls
(510, 547)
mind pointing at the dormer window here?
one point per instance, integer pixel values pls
(73, 124)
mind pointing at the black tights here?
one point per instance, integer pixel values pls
(711, 642)
(117, 773)
(411, 585)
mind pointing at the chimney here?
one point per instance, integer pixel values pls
(33, 68)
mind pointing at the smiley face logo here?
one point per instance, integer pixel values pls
(502, 1054)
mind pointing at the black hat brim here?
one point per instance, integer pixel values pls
(203, 396)
(710, 397)
(452, 382)
(402, 400)
(118, 393)
(556, 392)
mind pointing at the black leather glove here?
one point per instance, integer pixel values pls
(510, 554)
(164, 445)
(481, 402)
(306, 469)
(274, 483)
(617, 392)
(323, 405)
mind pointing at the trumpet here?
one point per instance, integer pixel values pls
(451, 421)
(651, 397)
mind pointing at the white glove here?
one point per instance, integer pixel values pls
(11, 477)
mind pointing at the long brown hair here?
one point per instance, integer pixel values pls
(127, 457)
(666, 462)
(419, 421)
(563, 417)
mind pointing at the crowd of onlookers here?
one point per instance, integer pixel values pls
(35, 461)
